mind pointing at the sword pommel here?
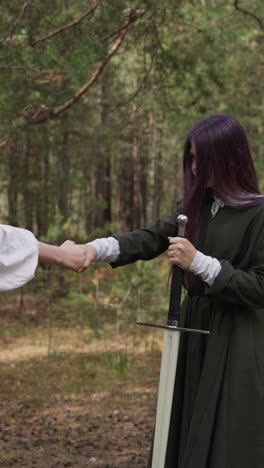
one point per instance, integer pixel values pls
(182, 221)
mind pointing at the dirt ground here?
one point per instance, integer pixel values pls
(70, 433)
(80, 406)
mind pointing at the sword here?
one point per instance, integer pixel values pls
(169, 358)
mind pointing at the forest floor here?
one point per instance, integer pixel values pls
(74, 401)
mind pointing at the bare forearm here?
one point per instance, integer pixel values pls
(68, 255)
(50, 254)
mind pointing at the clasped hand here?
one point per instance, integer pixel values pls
(76, 257)
(181, 252)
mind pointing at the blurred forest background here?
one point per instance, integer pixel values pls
(96, 98)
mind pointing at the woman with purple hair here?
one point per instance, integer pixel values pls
(217, 418)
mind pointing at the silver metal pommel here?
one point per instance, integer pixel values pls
(182, 220)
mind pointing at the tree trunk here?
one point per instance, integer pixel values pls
(126, 191)
(63, 171)
(152, 166)
(27, 189)
(137, 198)
(156, 168)
(13, 182)
(102, 189)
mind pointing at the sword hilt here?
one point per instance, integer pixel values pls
(175, 294)
(176, 281)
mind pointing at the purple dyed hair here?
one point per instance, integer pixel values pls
(222, 157)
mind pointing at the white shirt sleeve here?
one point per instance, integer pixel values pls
(107, 249)
(206, 267)
(18, 257)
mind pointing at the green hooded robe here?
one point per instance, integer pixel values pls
(217, 418)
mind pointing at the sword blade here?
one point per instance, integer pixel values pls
(165, 396)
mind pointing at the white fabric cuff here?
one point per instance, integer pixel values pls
(107, 249)
(206, 267)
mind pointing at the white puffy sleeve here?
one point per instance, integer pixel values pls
(18, 257)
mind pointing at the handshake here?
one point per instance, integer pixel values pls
(76, 257)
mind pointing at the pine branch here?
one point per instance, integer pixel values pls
(63, 28)
(17, 21)
(15, 67)
(248, 13)
(44, 114)
(4, 141)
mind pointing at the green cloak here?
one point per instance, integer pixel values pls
(217, 418)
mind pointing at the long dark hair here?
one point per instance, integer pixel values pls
(222, 157)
